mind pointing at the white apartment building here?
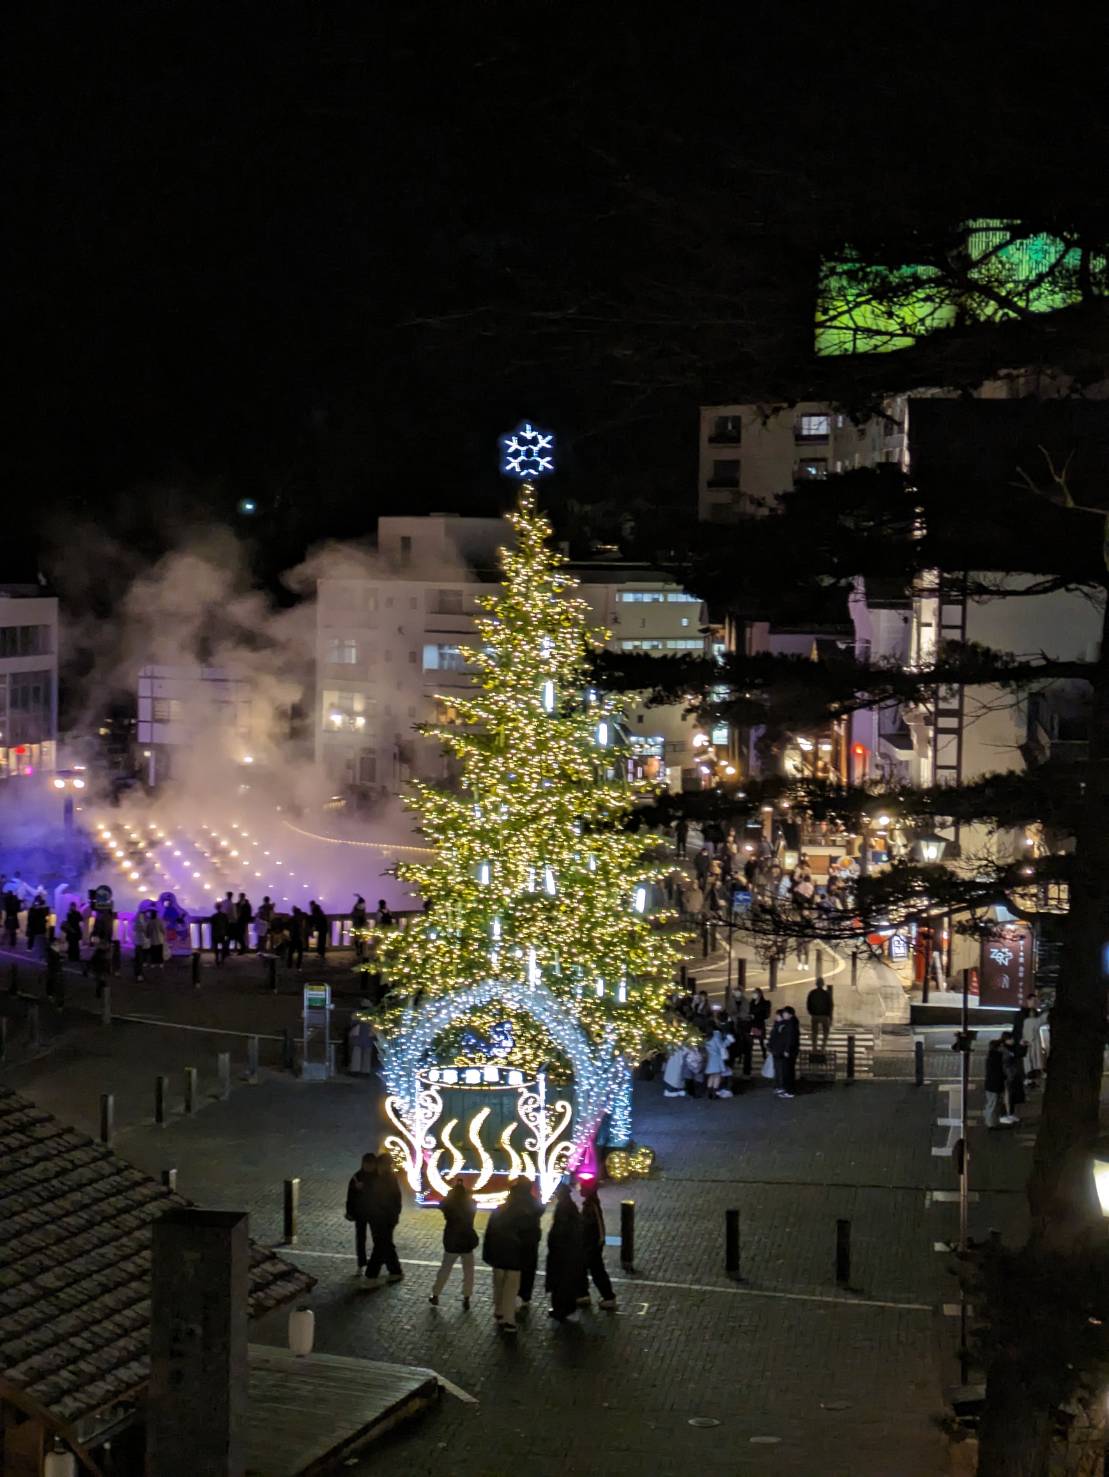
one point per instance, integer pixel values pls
(28, 680)
(389, 648)
(186, 709)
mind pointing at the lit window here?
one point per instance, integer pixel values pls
(813, 428)
(641, 597)
(443, 658)
(727, 428)
(342, 651)
(813, 467)
(679, 597)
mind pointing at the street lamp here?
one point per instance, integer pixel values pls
(931, 847)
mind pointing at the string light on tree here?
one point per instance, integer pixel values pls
(539, 888)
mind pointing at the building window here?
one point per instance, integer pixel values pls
(166, 710)
(367, 767)
(342, 651)
(725, 473)
(441, 658)
(24, 640)
(448, 602)
(813, 467)
(641, 645)
(345, 712)
(641, 597)
(30, 707)
(813, 428)
(684, 643)
(679, 597)
(727, 428)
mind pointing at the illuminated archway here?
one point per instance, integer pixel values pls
(414, 1103)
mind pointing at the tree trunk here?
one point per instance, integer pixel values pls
(1066, 1222)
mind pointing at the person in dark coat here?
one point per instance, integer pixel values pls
(784, 1045)
(294, 949)
(459, 1240)
(505, 1250)
(1013, 1055)
(565, 1255)
(994, 1084)
(55, 976)
(221, 931)
(593, 1239)
(37, 914)
(244, 917)
(384, 1206)
(317, 924)
(359, 1206)
(11, 917)
(522, 1193)
(72, 930)
(760, 1014)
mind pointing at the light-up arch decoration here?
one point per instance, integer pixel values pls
(414, 1103)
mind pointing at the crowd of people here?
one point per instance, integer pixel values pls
(510, 1248)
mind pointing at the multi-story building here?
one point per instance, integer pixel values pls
(390, 648)
(28, 680)
(185, 710)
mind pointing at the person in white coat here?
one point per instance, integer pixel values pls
(716, 1059)
(673, 1074)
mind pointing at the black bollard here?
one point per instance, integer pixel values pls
(271, 971)
(627, 1235)
(107, 1117)
(918, 1062)
(843, 1253)
(854, 970)
(851, 1057)
(33, 1023)
(252, 1059)
(731, 1244)
(106, 1005)
(196, 969)
(292, 1209)
(772, 973)
(13, 980)
(169, 1179)
(741, 973)
(223, 1072)
(288, 1060)
(161, 1099)
(190, 1089)
(820, 963)
(117, 957)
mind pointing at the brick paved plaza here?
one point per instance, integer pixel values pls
(844, 1382)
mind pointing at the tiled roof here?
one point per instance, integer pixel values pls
(75, 1266)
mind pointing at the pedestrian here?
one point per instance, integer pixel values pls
(522, 1192)
(716, 1059)
(1012, 1053)
(459, 1240)
(565, 1256)
(37, 914)
(359, 927)
(244, 917)
(383, 1203)
(262, 920)
(317, 924)
(994, 1084)
(818, 1003)
(294, 949)
(384, 917)
(701, 864)
(359, 1206)
(760, 1015)
(155, 939)
(593, 1243)
(784, 1044)
(11, 917)
(504, 1249)
(681, 836)
(221, 928)
(139, 942)
(72, 930)
(673, 1076)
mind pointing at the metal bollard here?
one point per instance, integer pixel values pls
(731, 1244)
(741, 973)
(252, 1059)
(843, 1253)
(292, 1208)
(333, 1059)
(190, 1089)
(851, 1057)
(288, 1058)
(117, 957)
(627, 1235)
(819, 963)
(106, 1006)
(772, 972)
(854, 970)
(33, 1023)
(271, 972)
(918, 1062)
(169, 1179)
(223, 1072)
(107, 1117)
(196, 970)
(161, 1100)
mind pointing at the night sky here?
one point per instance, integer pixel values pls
(320, 257)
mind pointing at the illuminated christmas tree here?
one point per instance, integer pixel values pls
(539, 945)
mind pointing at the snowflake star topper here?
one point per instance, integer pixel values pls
(526, 452)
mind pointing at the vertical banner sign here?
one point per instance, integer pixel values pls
(1006, 966)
